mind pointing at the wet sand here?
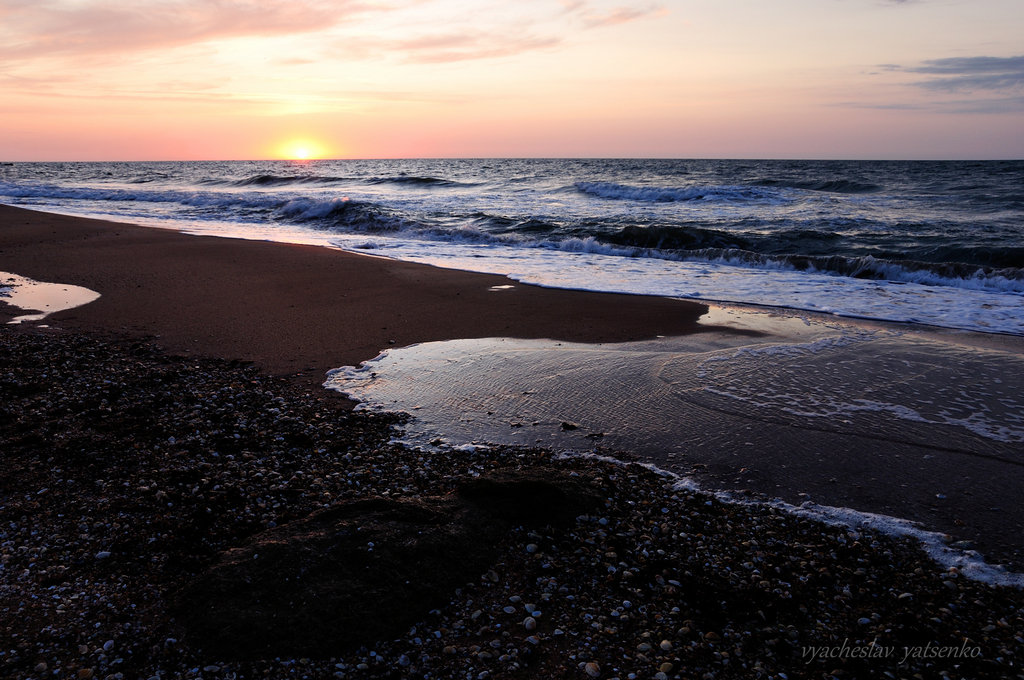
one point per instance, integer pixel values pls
(299, 309)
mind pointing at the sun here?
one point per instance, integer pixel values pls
(301, 150)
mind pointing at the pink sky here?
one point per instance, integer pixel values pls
(238, 79)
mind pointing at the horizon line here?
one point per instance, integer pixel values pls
(305, 161)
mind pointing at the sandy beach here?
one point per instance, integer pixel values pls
(300, 309)
(142, 449)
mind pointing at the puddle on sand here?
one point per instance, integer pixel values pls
(665, 397)
(40, 296)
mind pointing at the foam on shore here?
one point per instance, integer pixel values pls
(917, 417)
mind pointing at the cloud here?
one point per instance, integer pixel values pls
(596, 18)
(962, 85)
(971, 74)
(463, 47)
(49, 27)
(507, 33)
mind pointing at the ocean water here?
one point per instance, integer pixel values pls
(937, 243)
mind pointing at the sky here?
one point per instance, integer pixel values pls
(255, 79)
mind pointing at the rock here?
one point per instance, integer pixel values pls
(592, 669)
(531, 497)
(316, 589)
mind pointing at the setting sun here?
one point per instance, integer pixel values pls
(302, 150)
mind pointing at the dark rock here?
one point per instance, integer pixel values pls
(531, 497)
(366, 570)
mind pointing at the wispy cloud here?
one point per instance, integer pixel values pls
(968, 74)
(49, 27)
(961, 85)
(449, 48)
(595, 17)
(466, 42)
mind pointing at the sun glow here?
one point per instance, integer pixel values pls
(301, 150)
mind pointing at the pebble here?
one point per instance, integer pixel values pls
(682, 562)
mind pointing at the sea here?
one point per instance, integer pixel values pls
(935, 243)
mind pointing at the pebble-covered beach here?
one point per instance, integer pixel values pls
(127, 473)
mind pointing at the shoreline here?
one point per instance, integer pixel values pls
(295, 309)
(137, 466)
(301, 311)
(767, 416)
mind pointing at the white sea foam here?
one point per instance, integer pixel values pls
(585, 264)
(909, 380)
(935, 544)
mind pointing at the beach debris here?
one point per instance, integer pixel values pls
(315, 590)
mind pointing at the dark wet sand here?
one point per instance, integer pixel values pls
(299, 309)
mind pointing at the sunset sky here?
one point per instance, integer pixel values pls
(239, 79)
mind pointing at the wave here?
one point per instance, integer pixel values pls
(188, 198)
(329, 213)
(265, 180)
(755, 245)
(676, 238)
(343, 213)
(278, 180)
(724, 193)
(956, 275)
(835, 186)
(418, 181)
